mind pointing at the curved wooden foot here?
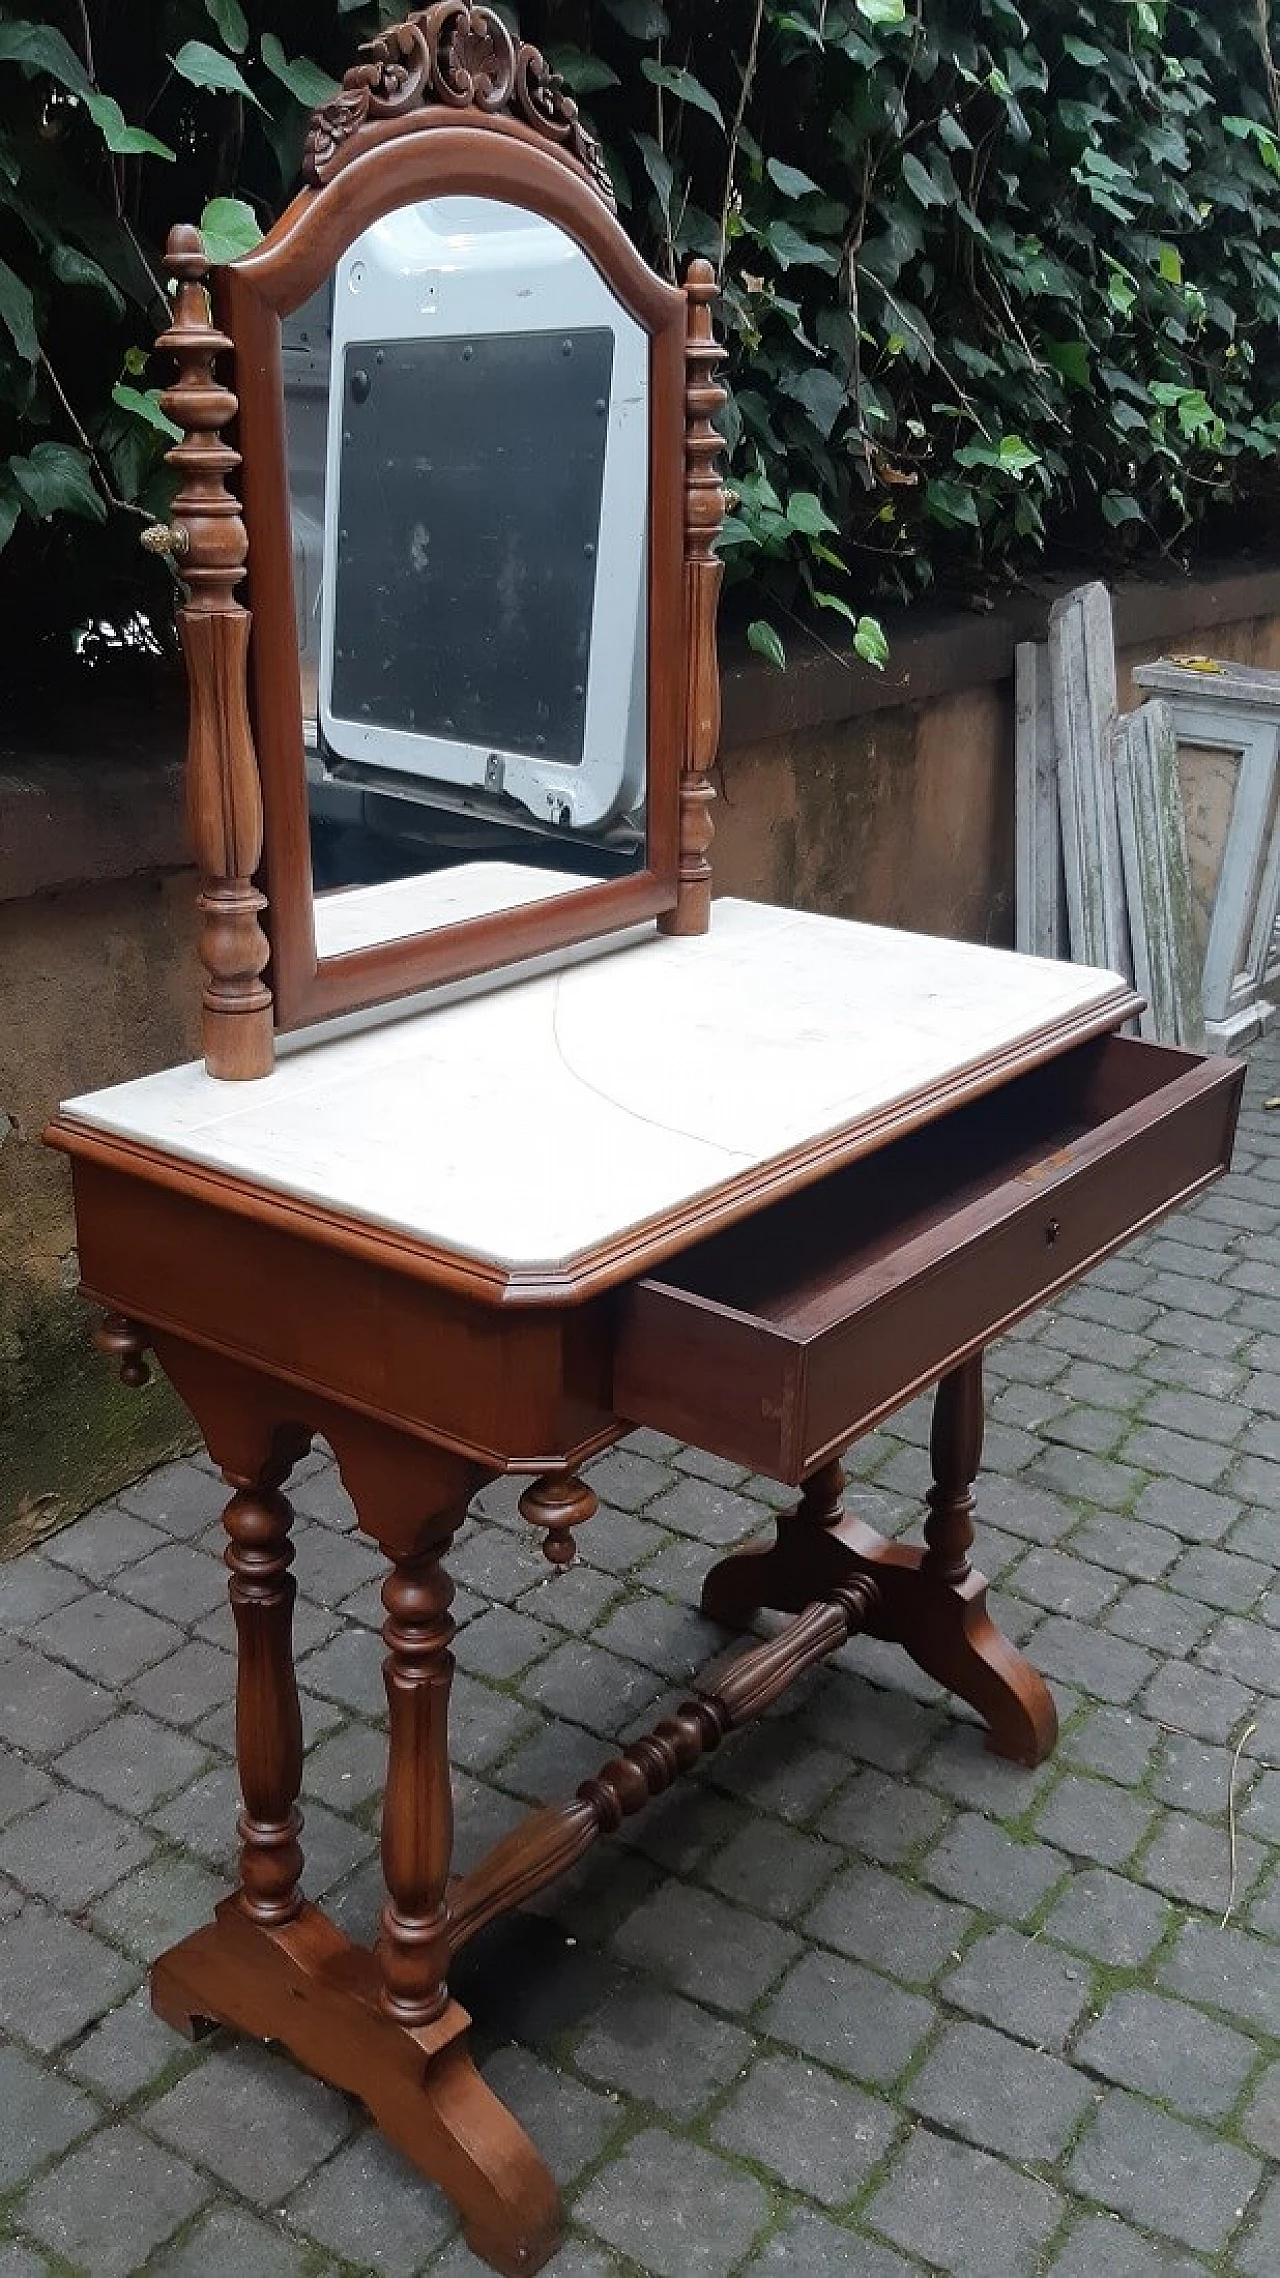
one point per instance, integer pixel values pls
(303, 1984)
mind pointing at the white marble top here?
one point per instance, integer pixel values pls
(359, 917)
(531, 1124)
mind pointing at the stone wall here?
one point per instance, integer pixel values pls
(888, 798)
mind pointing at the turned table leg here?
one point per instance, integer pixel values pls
(932, 1602)
(417, 1816)
(268, 1719)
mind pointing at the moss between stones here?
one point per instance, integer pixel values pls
(71, 1434)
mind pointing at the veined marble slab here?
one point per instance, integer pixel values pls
(360, 917)
(526, 1126)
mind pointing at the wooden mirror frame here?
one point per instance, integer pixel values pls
(448, 103)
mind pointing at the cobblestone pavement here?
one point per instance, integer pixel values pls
(861, 2000)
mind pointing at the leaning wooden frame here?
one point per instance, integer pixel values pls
(448, 103)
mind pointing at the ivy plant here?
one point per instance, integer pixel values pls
(996, 284)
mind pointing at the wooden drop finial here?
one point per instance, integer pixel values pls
(703, 575)
(558, 1506)
(224, 799)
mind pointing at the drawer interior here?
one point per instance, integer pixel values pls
(792, 1264)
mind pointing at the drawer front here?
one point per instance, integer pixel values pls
(780, 1400)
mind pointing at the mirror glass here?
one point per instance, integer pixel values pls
(467, 414)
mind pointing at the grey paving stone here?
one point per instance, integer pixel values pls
(712, 1951)
(1114, 1921)
(718, 1469)
(770, 1867)
(1065, 1585)
(1104, 2247)
(1220, 1578)
(885, 1819)
(1162, 2173)
(819, 2135)
(183, 1688)
(1254, 1535)
(650, 2044)
(1193, 1775)
(101, 1543)
(180, 1499)
(32, 1587)
(674, 1640)
(685, 1825)
(105, 1638)
(1019, 1507)
(44, 1707)
(848, 2017)
(1191, 1860)
(963, 1767)
(127, 2050)
(1160, 1618)
(501, 1642)
(39, 2116)
(1166, 2050)
(133, 1762)
(158, 1904)
(1175, 1455)
(588, 1686)
(710, 1513)
(550, 1763)
(348, 1669)
(1022, 1985)
(629, 1480)
(1226, 1970)
(1258, 2255)
(484, 1724)
(875, 1917)
(675, 2209)
(253, 2117)
(72, 1849)
(1256, 1481)
(1199, 1514)
(1127, 1545)
(1010, 2099)
(1200, 1701)
(573, 1598)
(569, 2124)
(56, 1978)
(575, 2259)
(1261, 2122)
(889, 1730)
(1030, 1406)
(112, 2201)
(1106, 1667)
(22, 1786)
(229, 2243)
(1115, 1309)
(1095, 1431)
(1094, 1820)
(21, 2262)
(1246, 1650)
(1113, 1741)
(1200, 1416)
(961, 2211)
(1097, 1384)
(618, 1542)
(978, 1863)
(348, 1768)
(769, 1772)
(370, 2207)
(176, 1580)
(809, 2246)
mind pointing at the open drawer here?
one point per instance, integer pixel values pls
(776, 1342)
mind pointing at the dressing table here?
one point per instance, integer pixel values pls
(509, 1142)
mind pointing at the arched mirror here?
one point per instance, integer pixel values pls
(479, 493)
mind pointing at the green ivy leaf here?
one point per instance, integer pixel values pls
(642, 19)
(306, 82)
(822, 394)
(204, 66)
(229, 228)
(71, 267)
(762, 637)
(18, 314)
(118, 135)
(806, 513)
(920, 182)
(792, 250)
(883, 11)
(951, 503)
(145, 405)
(56, 479)
(684, 87)
(1117, 509)
(583, 74)
(870, 643)
(231, 21)
(792, 180)
(10, 506)
(1084, 51)
(38, 47)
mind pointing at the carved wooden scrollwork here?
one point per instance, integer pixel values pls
(463, 57)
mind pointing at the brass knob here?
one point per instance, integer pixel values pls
(169, 539)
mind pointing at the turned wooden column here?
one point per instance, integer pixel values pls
(268, 1719)
(417, 1813)
(704, 503)
(822, 1496)
(955, 1448)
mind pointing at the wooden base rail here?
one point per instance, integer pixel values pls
(551, 1841)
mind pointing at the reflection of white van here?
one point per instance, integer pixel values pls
(473, 646)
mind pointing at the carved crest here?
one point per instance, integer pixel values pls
(461, 56)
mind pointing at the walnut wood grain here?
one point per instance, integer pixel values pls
(125, 1342)
(417, 1816)
(259, 1554)
(551, 1841)
(703, 575)
(464, 58)
(224, 803)
(557, 1503)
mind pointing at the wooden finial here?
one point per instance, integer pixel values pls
(224, 800)
(703, 573)
(558, 1506)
